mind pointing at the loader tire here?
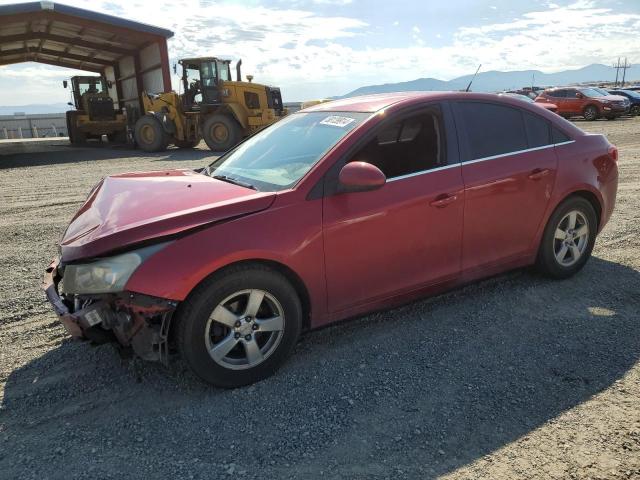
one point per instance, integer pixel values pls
(221, 132)
(149, 134)
(76, 137)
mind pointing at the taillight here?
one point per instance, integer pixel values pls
(613, 153)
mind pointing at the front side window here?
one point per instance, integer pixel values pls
(490, 129)
(277, 157)
(408, 146)
(590, 92)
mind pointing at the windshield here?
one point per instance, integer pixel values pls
(91, 85)
(591, 92)
(277, 157)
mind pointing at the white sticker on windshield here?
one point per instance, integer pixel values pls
(337, 121)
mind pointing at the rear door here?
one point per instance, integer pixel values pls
(559, 97)
(508, 167)
(575, 103)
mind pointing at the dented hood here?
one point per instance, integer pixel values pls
(128, 209)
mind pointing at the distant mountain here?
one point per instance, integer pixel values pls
(34, 108)
(494, 81)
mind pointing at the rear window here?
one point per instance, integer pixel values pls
(491, 129)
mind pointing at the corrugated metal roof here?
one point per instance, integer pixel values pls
(57, 34)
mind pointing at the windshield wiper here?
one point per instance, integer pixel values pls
(235, 181)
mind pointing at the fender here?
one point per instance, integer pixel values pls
(238, 113)
(168, 125)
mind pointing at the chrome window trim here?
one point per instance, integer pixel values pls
(477, 160)
(423, 172)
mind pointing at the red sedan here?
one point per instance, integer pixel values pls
(344, 208)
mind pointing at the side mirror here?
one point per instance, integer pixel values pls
(65, 84)
(109, 84)
(579, 95)
(361, 177)
(70, 104)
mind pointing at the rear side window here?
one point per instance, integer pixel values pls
(557, 93)
(491, 129)
(537, 128)
(558, 136)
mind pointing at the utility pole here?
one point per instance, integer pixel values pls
(625, 67)
(617, 67)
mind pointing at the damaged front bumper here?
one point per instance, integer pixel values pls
(130, 319)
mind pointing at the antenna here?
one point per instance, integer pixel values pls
(473, 78)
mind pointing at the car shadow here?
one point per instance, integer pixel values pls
(425, 388)
(58, 154)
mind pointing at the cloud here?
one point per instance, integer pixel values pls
(311, 55)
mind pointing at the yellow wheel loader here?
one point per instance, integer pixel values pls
(94, 113)
(213, 107)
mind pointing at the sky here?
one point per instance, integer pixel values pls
(319, 48)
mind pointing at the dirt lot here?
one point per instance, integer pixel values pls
(514, 377)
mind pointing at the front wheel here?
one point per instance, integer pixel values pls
(149, 134)
(635, 110)
(591, 113)
(238, 328)
(568, 238)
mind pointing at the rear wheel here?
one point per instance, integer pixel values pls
(75, 135)
(591, 113)
(635, 110)
(568, 238)
(239, 328)
(149, 134)
(221, 132)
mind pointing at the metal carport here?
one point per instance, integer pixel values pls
(132, 55)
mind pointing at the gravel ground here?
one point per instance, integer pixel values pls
(514, 377)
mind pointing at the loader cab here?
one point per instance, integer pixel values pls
(91, 96)
(201, 79)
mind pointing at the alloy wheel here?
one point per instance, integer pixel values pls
(571, 238)
(244, 329)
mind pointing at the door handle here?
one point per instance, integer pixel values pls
(443, 200)
(538, 173)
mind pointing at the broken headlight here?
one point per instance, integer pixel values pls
(105, 275)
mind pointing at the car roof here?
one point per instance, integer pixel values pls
(377, 102)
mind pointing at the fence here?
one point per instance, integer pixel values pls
(20, 125)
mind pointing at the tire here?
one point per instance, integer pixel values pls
(149, 134)
(553, 244)
(76, 137)
(221, 132)
(197, 332)
(186, 143)
(591, 113)
(635, 110)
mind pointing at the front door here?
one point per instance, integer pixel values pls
(509, 168)
(406, 234)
